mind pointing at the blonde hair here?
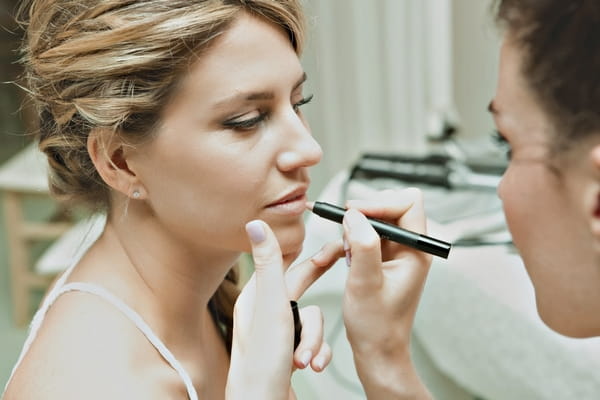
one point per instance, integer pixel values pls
(113, 64)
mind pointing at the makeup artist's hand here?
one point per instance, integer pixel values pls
(384, 285)
(262, 356)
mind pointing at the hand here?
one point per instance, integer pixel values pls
(382, 293)
(262, 356)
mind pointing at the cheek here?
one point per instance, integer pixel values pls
(527, 208)
(205, 205)
(537, 217)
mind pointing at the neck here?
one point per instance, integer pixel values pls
(171, 281)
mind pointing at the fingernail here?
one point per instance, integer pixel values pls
(305, 357)
(348, 253)
(256, 231)
(319, 363)
(348, 258)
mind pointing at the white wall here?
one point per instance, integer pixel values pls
(379, 70)
(475, 41)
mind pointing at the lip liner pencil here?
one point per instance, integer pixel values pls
(387, 231)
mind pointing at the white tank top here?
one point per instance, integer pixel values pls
(62, 287)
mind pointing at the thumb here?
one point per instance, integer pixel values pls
(268, 262)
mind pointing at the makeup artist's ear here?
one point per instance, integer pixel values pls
(107, 152)
(593, 193)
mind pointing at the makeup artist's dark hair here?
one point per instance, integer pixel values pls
(560, 40)
(112, 66)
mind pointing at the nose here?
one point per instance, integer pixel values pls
(300, 148)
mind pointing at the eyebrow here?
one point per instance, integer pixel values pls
(252, 96)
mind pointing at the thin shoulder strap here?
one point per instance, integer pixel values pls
(129, 313)
(93, 229)
(140, 324)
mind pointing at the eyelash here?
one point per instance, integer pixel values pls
(251, 123)
(501, 141)
(246, 124)
(302, 102)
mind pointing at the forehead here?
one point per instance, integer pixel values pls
(518, 112)
(252, 53)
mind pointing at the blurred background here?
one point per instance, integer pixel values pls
(11, 98)
(391, 75)
(12, 140)
(387, 75)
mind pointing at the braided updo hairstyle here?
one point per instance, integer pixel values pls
(112, 65)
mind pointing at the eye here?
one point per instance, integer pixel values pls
(501, 142)
(302, 102)
(244, 124)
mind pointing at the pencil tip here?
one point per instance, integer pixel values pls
(310, 205)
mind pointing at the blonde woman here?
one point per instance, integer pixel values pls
(182, 121)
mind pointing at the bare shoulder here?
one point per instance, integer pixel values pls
(86, 348)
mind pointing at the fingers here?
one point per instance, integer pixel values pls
(312, 335)
(365, 247)
(299, 277)
(322, 359)
(404, 207)
(312, 350)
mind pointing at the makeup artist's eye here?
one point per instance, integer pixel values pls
(244, 124)
(302, 102)
(501, 142)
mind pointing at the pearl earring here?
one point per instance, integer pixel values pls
(136, 194)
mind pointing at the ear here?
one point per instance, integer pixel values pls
(107, 152)
(594, 192)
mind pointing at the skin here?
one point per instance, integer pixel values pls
(165, 252)
(550, 202)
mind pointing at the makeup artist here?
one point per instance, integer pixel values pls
(547, 110)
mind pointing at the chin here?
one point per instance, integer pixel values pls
(290, 253)
(291, 247)
(289, 236)
(571, 330)
(569, 323)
